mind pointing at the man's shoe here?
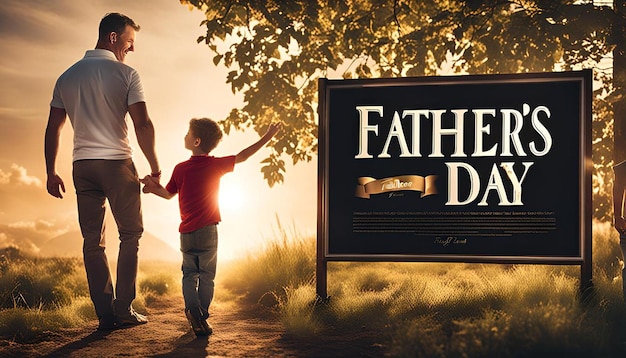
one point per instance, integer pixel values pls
(131, 318)
(107, 323)
(199, 326)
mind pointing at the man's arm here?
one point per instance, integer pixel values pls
(248, 152)
(144, 129)
(56, 121)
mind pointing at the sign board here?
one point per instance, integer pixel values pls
(487, 168)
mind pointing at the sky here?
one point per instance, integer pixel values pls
(39, 39)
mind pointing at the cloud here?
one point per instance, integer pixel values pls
(24, 197)
(22, 19)
(42, 226)
(18, 176)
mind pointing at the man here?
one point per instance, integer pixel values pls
(96, 93)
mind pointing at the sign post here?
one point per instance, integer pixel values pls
(483, 168)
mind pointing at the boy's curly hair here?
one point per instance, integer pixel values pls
(208, 131)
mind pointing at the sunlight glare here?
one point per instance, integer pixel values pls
(232, 195)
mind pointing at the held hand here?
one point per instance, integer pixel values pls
(150, 183)
(55, 186)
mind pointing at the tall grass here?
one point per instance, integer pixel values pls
(35, 282)
(38, 295)
(156, 279)
(287, 261)
(24, 324)
(446, 309)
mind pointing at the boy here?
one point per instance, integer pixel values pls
(196, 181)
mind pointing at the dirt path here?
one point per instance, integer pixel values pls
(238, 332)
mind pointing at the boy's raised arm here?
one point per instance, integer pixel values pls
(248, 152)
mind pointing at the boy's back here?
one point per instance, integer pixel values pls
(197, 183)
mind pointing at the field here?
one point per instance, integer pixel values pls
(403, 309)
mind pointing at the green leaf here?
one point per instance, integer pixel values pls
(217, 59)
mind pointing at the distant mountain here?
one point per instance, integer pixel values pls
(70, 244)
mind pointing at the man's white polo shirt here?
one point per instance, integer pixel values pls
(95, 93)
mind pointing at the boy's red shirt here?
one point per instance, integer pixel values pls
(197, 182)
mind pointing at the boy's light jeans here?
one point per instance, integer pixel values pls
(199, 250)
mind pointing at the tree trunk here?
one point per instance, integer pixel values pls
(619, 82)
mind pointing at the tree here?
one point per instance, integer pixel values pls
(277, 49)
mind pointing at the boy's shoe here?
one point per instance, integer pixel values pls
(199, 326)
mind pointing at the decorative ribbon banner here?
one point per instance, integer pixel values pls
(368, 186)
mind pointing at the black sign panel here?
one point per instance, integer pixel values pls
(465, 168)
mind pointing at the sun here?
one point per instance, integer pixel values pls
(232, 194)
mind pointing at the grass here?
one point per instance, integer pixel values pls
(34, 282)
(288, 261)
(25, 324)
(416, 309)
(445, 310)
(156, 279)
(39, 295)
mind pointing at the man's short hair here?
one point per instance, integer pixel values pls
(208, 131)
(115, 22)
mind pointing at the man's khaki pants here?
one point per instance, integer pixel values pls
(98, 180)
